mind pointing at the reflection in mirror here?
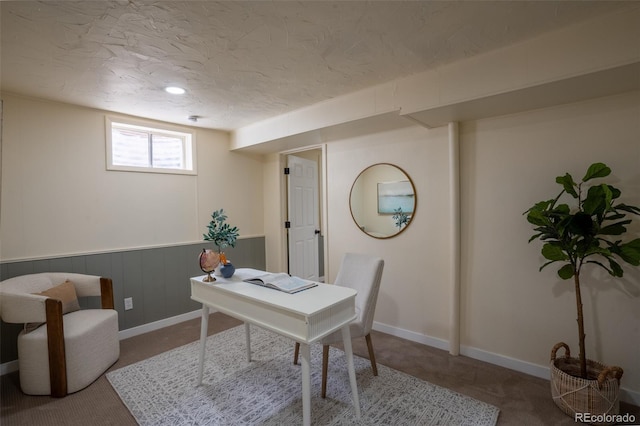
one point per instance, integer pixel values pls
(383, 200)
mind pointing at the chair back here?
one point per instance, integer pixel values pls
(363, 273)
(19, 304)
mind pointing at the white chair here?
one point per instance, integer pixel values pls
(363, 273)
(62, 348)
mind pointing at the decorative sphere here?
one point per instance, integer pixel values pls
(209, 260)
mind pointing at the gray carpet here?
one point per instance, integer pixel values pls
(161, 390)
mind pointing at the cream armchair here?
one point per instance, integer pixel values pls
(62, 348)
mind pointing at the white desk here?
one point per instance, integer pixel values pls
(305, 317)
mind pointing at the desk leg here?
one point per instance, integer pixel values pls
(247, 335)
(346, 339)
(306, 384)
(204, 328)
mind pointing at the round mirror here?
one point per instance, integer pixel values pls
(383, 200)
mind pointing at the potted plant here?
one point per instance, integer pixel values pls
(222, 235)
(587, 233)
(400, 218)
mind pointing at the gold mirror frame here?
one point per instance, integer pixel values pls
(373, 197)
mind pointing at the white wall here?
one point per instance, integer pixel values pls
(511, 314)
(274, 205)
(59, 199)
(508, 164)
(414, 291)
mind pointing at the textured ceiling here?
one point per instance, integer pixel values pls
(243, 61)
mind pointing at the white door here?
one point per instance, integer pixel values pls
(304, 217)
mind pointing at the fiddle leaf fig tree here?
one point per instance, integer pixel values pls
(588, 232)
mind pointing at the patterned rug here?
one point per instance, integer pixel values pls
(161, 390)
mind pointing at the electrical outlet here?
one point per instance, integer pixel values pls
(128, 303)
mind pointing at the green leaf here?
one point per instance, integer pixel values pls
(628, 209)
(546, 264)
(616, 269)
(615, 192)
(566, 272)
(617, 228)
(537, 218)
(596, 170)
(630, 252)
(594, 248)
(615, 216)
(568, 184)
(601, 265)
(539, 206)
(553, 252)
(533, 237)
(598, 200)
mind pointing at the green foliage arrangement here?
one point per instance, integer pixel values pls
(221, 233)
(400, 217)
(582, 234)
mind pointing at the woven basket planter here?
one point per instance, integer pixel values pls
(598, 395)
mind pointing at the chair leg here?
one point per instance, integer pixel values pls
(296, 352)
(372, 357)
(325, 367)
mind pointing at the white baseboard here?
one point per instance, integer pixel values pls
(157, 325)
(506, 362)
(8, 367)
(626, 395)
(412, 335)
(541, 371)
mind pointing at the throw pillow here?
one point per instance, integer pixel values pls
(66, 293)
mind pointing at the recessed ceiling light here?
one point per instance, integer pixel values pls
(175, 90)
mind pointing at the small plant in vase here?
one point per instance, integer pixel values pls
(222, 235)
(400, 218)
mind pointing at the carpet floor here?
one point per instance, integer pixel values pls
(522, 399)
(162, 391)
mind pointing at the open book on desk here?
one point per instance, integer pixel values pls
(282, 281)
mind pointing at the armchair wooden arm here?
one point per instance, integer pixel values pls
(106, 293)
(55, 337)
(55, 342)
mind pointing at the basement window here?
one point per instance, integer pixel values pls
(136, 147)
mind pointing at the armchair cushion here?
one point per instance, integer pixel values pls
(91, 346)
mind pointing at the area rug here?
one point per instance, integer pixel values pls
(267, 391)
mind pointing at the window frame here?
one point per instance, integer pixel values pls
(189, 146)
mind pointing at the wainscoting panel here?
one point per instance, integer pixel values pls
(157, 279)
